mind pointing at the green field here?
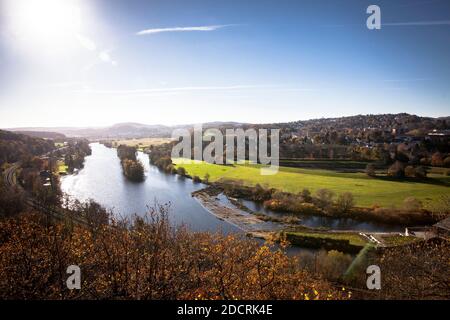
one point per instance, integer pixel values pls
(62, 167)
(367, 191)
(141, 143)
(354, 239)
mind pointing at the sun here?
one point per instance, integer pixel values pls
(44, 22)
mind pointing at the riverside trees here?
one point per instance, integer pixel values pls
(131, 166)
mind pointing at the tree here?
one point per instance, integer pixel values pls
(133, 170)
(306, 195)
(146, 258)
(396, 170)
(437, 160)
(410, 171)
(417, 271)
(11, 201)
(370, 170)
(324, 198)
(420, 172)
(412, 204)
(345, 202)
(181, 171)
(447, 162)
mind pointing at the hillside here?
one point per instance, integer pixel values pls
(14, 146)
(380, 127)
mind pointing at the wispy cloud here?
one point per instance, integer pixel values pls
(407, 80)
(183, 29)
(417, 23)
(178, 90)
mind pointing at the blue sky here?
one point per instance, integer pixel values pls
(99, 62)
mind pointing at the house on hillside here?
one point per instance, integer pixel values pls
(442, 228)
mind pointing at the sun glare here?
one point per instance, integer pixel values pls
(45, 22)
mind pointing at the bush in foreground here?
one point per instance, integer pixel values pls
(146, 259)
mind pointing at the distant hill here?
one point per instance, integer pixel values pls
(401, 122)
(120, 130)
(14, 146)
(43, 134)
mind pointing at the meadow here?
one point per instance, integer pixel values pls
(380, 191)
(141, 143)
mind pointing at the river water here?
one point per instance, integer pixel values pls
(102, 180)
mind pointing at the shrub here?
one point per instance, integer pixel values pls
(260, 193)
(345, 202)
(437, 160)
(447, 162)
(11, 201)
(415, 272)
(410, 171)
(146, 258)
(412, 204)
(196, 179)
(425, 161)
(370, 170)
(133, 169)
(420, 172)
(181, 171)
(296, 207)
(324, 198)
(308, 209)
(126, 152)
(306, 195)
(396, 170)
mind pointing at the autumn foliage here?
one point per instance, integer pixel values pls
(145, 258)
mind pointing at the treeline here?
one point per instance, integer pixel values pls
(75, 153)
(325, 202)
(160, 156)
(131, 166)
(14, 147)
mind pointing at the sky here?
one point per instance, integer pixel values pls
(100, 62)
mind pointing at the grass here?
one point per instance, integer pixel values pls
(62, 167)
(353, 238)
(398, 240)
(141, 143)
(368, 191)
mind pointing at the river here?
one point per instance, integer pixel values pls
(102, 180)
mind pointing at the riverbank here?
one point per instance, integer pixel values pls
(368, 192)
(258, 225)
(250, 224)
